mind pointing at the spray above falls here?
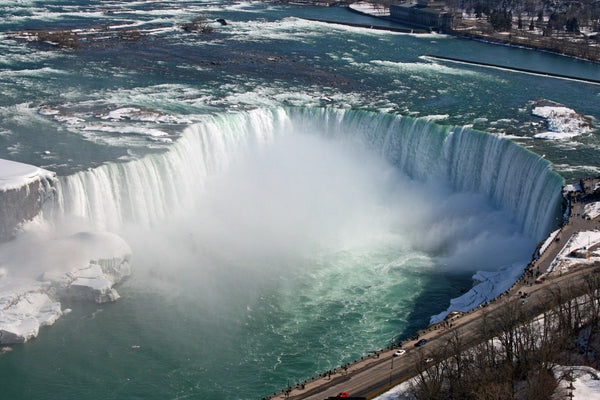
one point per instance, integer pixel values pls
(148, 190)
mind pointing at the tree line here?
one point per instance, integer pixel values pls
(518, 357)
(548, 16)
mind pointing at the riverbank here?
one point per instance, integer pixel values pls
(578, 45)
(571, 45)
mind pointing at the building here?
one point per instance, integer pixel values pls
(427, 14)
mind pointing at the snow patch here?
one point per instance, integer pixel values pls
(137, 114)
(591, 210)
(370, 9)
(577, 242)
(491, 285)
(586, 382)
(562, 122)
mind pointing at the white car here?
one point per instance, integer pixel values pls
(399, 352)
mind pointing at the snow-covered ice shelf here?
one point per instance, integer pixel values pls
(96, 262)
(15, 175)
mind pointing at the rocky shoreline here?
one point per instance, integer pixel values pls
(578, 45)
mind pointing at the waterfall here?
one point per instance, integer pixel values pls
(513, 177)
(147, 190)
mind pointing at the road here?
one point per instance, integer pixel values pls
(377, 373)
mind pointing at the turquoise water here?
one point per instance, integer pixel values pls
(213, 309)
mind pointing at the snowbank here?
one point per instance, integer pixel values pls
(591, 210)
(548, 241)
(579, 241)
(562, 122)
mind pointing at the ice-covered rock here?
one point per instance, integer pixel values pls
(15, 175)
(85, 266)
(23, 190)
(100, 261)
(490, 285)
(25, 306)
(562, 122)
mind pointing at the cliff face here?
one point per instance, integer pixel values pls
(23, 190)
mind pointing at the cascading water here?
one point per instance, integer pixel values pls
(468, 160)
(146, 191)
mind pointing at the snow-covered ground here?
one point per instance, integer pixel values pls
(591, 210)
(562, 122)
(579, 241)
(400, 392)
(586, 386)
(371, 9)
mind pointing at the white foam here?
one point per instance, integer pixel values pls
(132, 130)
(420, 67)
(438, 117)
(38, 72)
(137, 114)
